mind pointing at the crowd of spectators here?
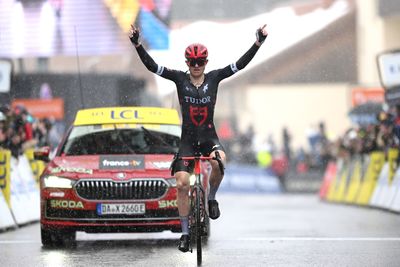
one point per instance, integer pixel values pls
(360, 139)
(379, 136)
(19, 130)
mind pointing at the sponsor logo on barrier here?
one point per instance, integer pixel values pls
(3, 172)
(162, 204)
(65, 204)
(377, 167)
(3, 180)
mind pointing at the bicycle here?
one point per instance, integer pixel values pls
(199, 222)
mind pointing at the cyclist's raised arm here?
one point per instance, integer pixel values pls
(261, 35)
(147, 60)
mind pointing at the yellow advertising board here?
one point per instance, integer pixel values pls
(5, 170)
(377, 159)
(355, 182)
(392, 156)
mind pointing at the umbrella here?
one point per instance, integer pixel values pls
(366, 113)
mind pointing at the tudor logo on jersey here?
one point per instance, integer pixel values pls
(198, 115)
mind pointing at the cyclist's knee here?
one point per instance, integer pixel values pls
(214, 165)
(182, 181)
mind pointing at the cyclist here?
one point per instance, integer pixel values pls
(197, 93)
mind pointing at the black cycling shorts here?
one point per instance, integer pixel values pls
(187, 149)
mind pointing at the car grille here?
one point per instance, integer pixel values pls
(139, 189)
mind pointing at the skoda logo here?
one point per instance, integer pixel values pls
(121, 175)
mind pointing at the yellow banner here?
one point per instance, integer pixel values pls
(127, 115)
(37, 166)
(355, 182)
(342, 184)
(377, 159)
(393, 154)
(5, 157)
(125, 12)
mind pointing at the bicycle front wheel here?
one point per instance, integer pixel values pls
(199, 230)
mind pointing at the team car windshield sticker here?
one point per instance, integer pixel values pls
(121, 162)
(161, 164)
(71, 169)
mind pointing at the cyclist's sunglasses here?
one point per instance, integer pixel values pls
(199, 61)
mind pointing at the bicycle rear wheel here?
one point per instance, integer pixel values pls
(199, 229)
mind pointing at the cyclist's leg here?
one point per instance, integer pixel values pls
(210, 147)
(182, 170)
(216, 175)
(183, 185)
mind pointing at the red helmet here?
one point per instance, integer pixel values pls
(196, 51)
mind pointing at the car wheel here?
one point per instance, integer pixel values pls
(52, 238)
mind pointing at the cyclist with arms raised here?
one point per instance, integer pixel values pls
(197, 93)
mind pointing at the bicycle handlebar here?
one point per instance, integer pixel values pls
(217, 157)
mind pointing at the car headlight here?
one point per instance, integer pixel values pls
(57, 182)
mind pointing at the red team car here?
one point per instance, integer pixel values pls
(111, 174)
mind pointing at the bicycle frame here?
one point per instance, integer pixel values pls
(197, 196)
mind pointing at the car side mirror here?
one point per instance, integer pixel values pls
(42, 154)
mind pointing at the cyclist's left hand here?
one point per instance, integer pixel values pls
(261, 34)
(134, 35)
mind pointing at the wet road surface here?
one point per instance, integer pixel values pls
(254, 230)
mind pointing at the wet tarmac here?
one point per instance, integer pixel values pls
(254, 230)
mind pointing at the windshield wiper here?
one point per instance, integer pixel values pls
(155, 137)
(120, 138)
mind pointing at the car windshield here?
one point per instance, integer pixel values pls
(122, 139)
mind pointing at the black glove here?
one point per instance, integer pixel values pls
(260, 37)
(134, 37)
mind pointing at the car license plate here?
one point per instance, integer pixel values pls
(121, 208)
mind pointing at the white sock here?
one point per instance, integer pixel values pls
(185, 224)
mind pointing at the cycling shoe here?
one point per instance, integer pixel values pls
(184, 243)
(213, 210)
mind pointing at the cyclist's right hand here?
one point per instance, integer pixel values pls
(134, 35)
(261, 34)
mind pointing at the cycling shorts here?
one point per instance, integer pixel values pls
(189, 149)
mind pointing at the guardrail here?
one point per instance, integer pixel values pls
(249, 179)
(371, 181)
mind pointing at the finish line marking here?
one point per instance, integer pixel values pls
(396, 239)
(19, 241)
